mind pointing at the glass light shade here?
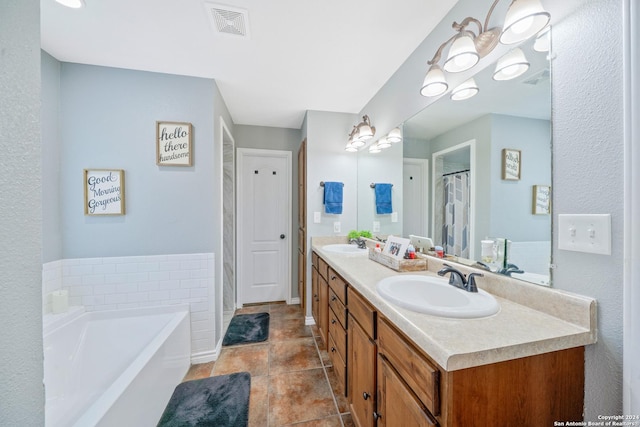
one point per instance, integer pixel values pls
(524, 19)
(350, 148)
(465, 90)
(434, 82)
(395, 136)
(462, 54)
(374, 149)
(542, 43)
(357, 143)
(383, 143)
(365, 132)
(511, 65)
(74, 4)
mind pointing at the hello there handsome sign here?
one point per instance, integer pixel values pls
(174, 144)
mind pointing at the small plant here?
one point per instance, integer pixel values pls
(354, 234)
(366, 233)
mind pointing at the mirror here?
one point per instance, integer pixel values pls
(458, 147)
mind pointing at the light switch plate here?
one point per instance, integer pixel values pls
(317, 219)
(336, 227)
(585, 233)
(394, 216)
(376, 226)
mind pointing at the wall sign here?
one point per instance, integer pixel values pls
(173, 144)
(541, 200)
(103, 192)
(511, 163)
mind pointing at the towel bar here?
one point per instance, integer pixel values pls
(322, 184)
(372, 185)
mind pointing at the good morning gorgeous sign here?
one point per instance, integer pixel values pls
(173, 144)
(104, 192)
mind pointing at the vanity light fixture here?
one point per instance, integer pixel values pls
(543, 42)
(524, 18)
(383, 143)
(374, 149)
(395, 136)
(360, 134)
(74, 4)
(465, 90)
(511, 65)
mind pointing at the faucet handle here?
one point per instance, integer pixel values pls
(471, 282)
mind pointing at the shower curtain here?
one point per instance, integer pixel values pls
(455, 226)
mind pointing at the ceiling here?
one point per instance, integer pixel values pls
(300, 55)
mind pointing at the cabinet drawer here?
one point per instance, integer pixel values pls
(338, 308)
(323, 269)
(362, 312)
(339, 365)
(338, 285)
(339, 335)
(314, 259)
(415, 370)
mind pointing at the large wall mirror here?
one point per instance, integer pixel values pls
(449, 173)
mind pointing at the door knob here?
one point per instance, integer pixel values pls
(282, 236)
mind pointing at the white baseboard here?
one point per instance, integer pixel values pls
(295, 300)
(309, 320)
(207, 356)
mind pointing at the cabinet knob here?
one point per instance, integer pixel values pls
(333, 277)
(333, 349)
(333, 298)
(333, 321)
(376, 416)
(366, 395)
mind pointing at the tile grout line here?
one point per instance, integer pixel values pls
(326, 376)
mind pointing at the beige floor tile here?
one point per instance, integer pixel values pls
(293, 355)
(324, 422)
(199, 371)
(259, 402)
(252, 358)
(251, 309)
(280, 330)
(341, 399)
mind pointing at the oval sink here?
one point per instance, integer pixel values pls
(344, 248)
(435, 296)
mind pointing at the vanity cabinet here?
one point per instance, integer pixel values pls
(320, 296)
(337, 347)
(362, 360)
(390, 381)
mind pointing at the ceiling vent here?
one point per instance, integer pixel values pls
(228, 20)
(538, 78)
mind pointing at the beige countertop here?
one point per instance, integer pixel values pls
(532, 319)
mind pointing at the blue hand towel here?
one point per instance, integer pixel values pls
(383, 198)
(333, 197)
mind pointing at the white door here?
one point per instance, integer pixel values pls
(415, 214)
(264, 224)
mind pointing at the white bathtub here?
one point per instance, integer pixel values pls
(114, 368)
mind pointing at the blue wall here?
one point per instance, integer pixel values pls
(108, 119)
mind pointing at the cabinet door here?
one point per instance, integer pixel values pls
(315, 296)
(302, 267)
(323, 309)
(362, 375)
(397, 405)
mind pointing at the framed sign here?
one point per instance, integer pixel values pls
(541, 200)
(173, 144)
(103, 192)
(396, 247)
(511, 164)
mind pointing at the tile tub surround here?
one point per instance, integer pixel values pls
(140, 281)
(532, 319)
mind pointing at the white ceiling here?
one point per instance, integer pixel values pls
(329, 55)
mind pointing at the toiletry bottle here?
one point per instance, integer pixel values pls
(377, 248)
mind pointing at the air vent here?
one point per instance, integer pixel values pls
(228, 20)
(538, 78)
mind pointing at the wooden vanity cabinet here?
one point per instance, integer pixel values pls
(320, 296)
(337, 349)
(362, 360)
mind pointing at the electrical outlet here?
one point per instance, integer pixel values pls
(394, 216)
(317, 219)
(585, 233)
(336, 227)
(376, 226)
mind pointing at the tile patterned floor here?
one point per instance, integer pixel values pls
(292, 380)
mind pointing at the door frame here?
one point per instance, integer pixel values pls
(472, 189)
(241, 153)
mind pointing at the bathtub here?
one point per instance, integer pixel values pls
(114, 368)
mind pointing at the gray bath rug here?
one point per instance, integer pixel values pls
(247, 328)
(221, 401)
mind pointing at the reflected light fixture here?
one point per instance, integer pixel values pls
(374, 149)
(383, 143)
(74, 4)
(511, 65)
(524, 18)
(465, 90)
(543, 42)
(395, 136)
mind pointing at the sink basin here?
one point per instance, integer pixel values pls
(435, 296)
(344, 248)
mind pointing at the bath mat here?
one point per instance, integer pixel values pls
(247, 328)
(214, 401)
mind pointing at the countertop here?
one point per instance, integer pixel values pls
(532, 319)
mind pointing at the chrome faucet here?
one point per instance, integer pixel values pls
(459, 280)
(362, 244)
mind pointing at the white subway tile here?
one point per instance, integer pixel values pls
(202, 325)
(170, 266)
(127, 267)
(159, 295)
(149, 266)
(104, 289)
(169, 284)
(199, 306)
(79, 270)
(189, 283)
(115, 278)
(137, 277)
(115, 298)
(105, 307)
(179, 275)
(190, 265)
(179, 293)
(160, 275)
(93, 279)
(125, 288)
(89, 261)
(203, 315)
(198, 292)
(128, 305)
(104, 269)
(201, 335)
(79, 291)
(92, 300)
(148, 286)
